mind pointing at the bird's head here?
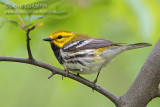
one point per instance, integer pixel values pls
(59, 38)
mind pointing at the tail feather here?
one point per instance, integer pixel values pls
(137, 45)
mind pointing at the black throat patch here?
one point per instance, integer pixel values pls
(57, 53)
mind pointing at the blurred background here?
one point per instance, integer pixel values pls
(128, 21)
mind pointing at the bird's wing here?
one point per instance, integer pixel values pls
(91, 43)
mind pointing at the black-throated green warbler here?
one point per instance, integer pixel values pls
(83, 54)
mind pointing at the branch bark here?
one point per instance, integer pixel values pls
(158, 93)
(55, 70)
(145, 86)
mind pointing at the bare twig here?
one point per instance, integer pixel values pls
(53, 73)
(28, 43)
(99, 89)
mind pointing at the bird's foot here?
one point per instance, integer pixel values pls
(66, 71)
(95, 81)
(94, 84)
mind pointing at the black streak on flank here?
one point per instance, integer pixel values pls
(79, 56)
(75, 62)
(57, 53)
(74, 69)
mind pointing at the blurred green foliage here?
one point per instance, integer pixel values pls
(128, 21)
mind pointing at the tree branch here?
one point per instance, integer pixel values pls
(145, 86)
(55, 70)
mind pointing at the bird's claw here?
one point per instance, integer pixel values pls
(78, 75)
(94, 84)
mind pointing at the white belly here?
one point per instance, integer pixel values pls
(87, 67)
(83, 65)
(89, 64)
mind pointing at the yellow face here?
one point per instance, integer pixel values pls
(59, 38)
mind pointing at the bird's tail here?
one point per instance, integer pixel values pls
(136, 45)
(114, 51)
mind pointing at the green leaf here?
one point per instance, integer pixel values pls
(8, 4)
(13, 22)
(31, 18)
(16, 23)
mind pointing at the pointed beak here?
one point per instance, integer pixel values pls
(47, 39)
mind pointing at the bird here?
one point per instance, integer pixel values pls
(83, 54)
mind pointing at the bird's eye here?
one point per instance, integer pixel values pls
(59, 37)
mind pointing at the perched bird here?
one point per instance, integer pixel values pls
(83, 54)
